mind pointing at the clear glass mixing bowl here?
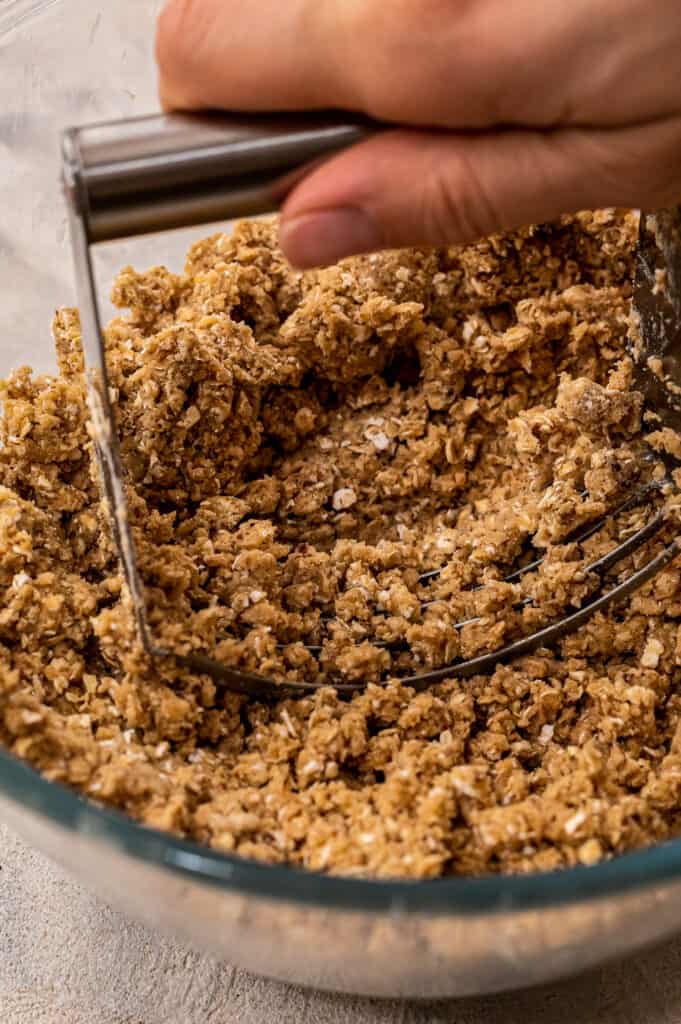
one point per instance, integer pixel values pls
(76, 61)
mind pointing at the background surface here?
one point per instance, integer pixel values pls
(65, 958)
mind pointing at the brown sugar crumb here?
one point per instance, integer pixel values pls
(353, 459)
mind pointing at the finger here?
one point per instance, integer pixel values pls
(446, 63)
(231, 55)
(415, 188)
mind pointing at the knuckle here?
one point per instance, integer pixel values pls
(400, 56)
(456, 206)
(440, 210)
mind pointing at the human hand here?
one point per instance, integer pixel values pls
(516, 111)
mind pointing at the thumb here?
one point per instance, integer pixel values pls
(405, 188)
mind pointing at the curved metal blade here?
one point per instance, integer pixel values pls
(657, 307)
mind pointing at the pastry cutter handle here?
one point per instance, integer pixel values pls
(168, 171)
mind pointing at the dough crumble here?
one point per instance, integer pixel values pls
(351, 460)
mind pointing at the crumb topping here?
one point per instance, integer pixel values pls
(351, 460)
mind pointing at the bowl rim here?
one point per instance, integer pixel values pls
(448, 896)
(72, 812)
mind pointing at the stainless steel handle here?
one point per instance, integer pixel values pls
(173, 170)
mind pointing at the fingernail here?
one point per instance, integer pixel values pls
(326, 236)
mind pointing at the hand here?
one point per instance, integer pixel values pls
(518, 110)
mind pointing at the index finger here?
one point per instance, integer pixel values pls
(440, 63)
(227, 54)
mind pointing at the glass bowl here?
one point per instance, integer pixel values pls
(75, 61)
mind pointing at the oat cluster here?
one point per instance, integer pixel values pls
(327, 473)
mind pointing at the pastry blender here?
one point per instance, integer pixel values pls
(168, 171)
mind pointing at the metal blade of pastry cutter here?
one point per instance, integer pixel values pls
(152, 174)
(163, 172)
(656, 341)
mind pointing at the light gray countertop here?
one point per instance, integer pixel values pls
(65, 958)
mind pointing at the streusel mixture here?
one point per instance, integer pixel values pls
(328, 472)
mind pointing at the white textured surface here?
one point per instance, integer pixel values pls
(67, 959)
